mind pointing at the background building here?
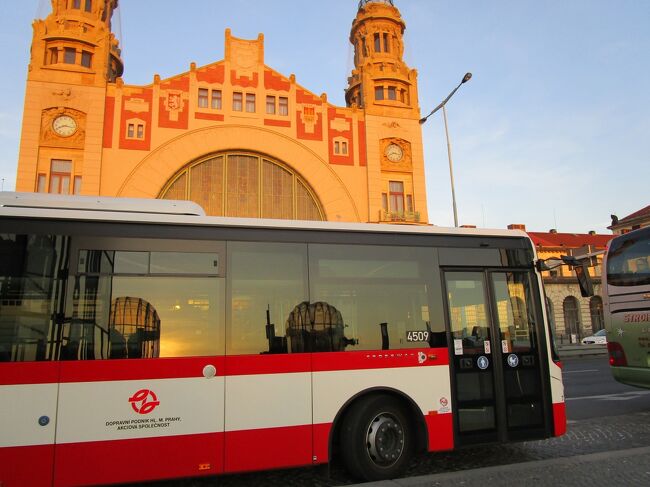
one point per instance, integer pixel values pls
(569, 312)
(235, 136)
(636, 220)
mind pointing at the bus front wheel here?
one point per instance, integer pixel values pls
(377, 439)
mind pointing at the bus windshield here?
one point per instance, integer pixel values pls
(628, 262)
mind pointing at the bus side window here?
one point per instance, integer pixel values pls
(388, 296)
(33, 273)
(267, 281)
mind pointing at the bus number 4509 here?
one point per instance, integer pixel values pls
(417, 336)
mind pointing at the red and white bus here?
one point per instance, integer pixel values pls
(142, 340)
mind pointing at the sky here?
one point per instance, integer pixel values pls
(552, 131)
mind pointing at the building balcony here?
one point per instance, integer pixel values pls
(399, 216)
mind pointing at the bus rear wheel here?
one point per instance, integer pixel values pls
(377, 439)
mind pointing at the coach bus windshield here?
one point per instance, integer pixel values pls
(628, 262)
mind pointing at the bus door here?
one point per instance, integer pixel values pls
(142, 362)
(496, 368)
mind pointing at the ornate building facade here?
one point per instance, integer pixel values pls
(235, 136)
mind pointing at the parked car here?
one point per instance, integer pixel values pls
(600, 337)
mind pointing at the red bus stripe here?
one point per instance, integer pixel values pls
(559, 418)
(13, 373)
(26, 465)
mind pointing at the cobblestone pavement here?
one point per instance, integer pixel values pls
(585, 437)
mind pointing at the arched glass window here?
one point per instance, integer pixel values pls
(571, 316)
(596, 311)
(244, 185)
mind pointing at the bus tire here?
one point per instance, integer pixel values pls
(377, 438)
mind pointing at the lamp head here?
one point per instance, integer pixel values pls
(467, 77)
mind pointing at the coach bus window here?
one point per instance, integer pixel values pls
(32, 281)
(116, 314)
(266, 282)
(387, 296)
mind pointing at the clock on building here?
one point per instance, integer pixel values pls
(394, 153)
(64, 125)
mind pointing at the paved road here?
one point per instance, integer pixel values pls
(591, 391)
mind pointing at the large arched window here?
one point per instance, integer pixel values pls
(244, 185)
(596, 311)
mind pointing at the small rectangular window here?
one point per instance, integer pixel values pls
(89, 5)
(379, 92)
(237, 101)
(86, 59)
(76, 188)
(377, 43)
(337, 147)
(203, 98)
(216, 100)
(250, 102)
(54, 55)
(283, 105)
(392, 93)
(184, 263)
(344, 147)
(140, 131)
(270, 105)
(76, 3)
(409, 203)
(70, 56)
(384, 201)
(365, 49)
(386, 44)
(61, 165)
(130, 132)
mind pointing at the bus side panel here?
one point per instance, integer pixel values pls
(28, 397)
(139, 419)
(268, 412)
(420, 375)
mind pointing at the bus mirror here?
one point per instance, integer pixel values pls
(584, 280)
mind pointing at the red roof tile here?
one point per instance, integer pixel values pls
(636, 214)
(569, 240)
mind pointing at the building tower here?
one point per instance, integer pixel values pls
(386, 89)
(74, 56)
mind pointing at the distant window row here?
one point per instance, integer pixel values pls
(227, 297)
(69, 55)
(214, 99)
(388, 92)
(77, 4)
(60, 177)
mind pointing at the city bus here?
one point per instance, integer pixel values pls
(626, 306)
(142, 340)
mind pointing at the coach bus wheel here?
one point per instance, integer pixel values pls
(377, 439)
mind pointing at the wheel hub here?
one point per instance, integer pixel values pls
(385, 440)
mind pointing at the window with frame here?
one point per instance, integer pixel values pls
(250, 102)
(76, 4)
(41, 183)
(270, 104)
(86, 59)
(76, 187)
(237, 100)
(392, 93)
(283, 106)
(53, 55)
(203, 98)
(69, 55)
(386, 43)
(377, 42)
(216, 100)
(140, 131)
(89, 6)
(379, 92)
(130, 131)
(60, 172)
(396, 193)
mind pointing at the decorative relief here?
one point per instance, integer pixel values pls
(244, 56)
(65, 94)
(136, 105)
(309, 117)
(174, 104)
(396, 155)
(391, 125)
(49, 136)
(340, 124)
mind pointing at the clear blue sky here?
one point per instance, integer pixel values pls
(552, 131)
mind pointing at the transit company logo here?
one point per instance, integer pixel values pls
(144, 401)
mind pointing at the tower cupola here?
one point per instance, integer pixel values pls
(76, 38)
(380, 75)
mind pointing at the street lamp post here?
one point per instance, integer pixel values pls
(465, 79)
